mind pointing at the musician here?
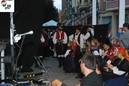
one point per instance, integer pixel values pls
(60, 41)
(44, 45)
(69, 59)
(78, 40)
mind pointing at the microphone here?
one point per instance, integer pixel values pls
(17, 37)
(27, 33)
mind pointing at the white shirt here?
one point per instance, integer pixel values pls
(42, 39)
(88, 34)
(81, 44)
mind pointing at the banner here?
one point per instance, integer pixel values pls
(6, 5)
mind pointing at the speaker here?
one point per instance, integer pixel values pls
(4, 26)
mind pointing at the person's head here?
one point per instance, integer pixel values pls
(88, 43)
(44, 31)
(78, 29)
(48, 30)
(107, 44)
(106, 47)
(92, 42)
(96, 41)
(56, 82)
(125, 27)
(120, 30)
(120, 52)
(88, 64)
(60, 28)
(59, 24)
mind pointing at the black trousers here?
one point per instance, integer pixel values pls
(60, 50)
(77, 58)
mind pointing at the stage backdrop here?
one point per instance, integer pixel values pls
(101, 31)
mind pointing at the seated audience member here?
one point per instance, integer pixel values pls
(108, 50)
(117, 69)
(87, 47)
(88, 68)
(96, 47)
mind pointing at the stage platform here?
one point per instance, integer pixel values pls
(51, 72)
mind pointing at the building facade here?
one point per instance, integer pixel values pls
(109, 13)
(64, 11)
(80, 12)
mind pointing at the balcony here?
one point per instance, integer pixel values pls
(113, 5)
(84, 6)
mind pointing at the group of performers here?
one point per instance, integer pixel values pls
(112, 59)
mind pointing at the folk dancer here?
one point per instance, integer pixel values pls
(78, 41)
(60, 41)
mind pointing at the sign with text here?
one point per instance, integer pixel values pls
(6, 5)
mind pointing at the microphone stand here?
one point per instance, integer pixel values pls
(15, 73)
(13, 61)
(12, 41)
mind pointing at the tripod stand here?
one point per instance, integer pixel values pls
(42, 66)
(39, 77)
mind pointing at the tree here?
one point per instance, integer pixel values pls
(50, 11)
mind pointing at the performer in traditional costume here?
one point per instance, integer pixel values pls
(60, 41)
(78, 43)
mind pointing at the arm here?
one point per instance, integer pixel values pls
(123, 37)
(87, 36)
(42, 39)
(65, 39)
(115, 70)
(92, 31)
(54, 39)
(67, 53)
(82, 41)
(71, 38)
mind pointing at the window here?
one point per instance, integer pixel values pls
(86, 0)
(80, 1)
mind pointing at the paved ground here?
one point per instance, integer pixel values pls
(57, 73)
(51, 71)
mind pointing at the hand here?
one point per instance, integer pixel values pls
(17, 38)
(78, 84)
(110, 66)
(106, 69)
(118, 40)
(104, 53)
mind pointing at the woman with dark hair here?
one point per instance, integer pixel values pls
(117, 69)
